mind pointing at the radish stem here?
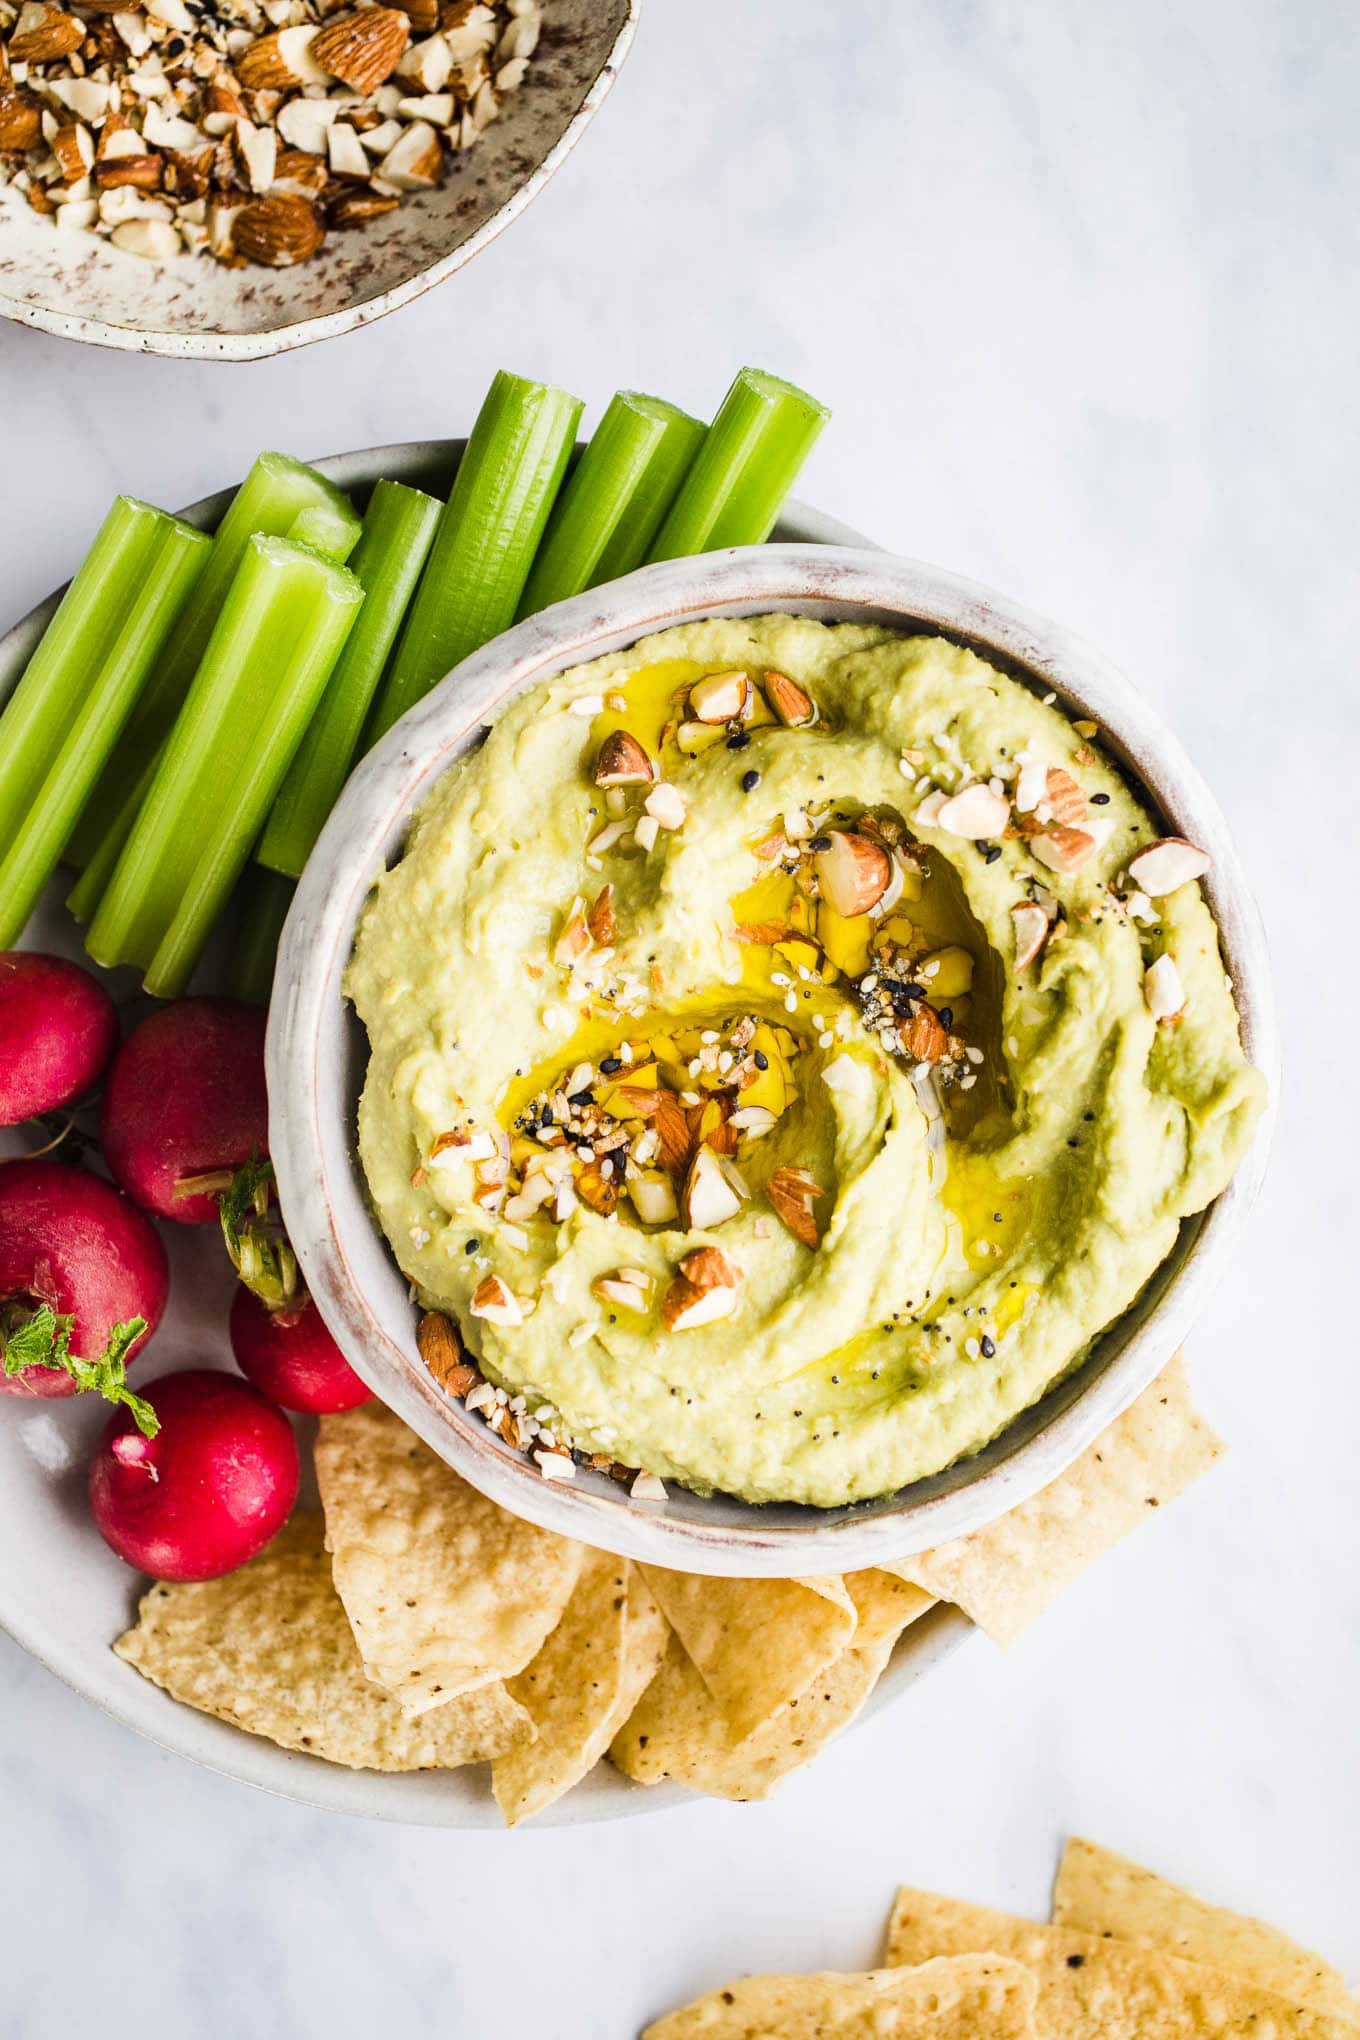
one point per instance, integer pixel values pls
(276, 494)
(487, 537)
(80, 686)
(609, 512)
(284, 621)
(749, 460)
(398, 532)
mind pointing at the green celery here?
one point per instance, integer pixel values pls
(274, 495)
(748, 462)
(64, 717)
(263, 899)
(610, 510)
(486, 540)
(279, 633)
(398, 532)
(88, 890)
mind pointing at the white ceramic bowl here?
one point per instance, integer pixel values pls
(82, 288)
(64, 1596)
(317, 1055)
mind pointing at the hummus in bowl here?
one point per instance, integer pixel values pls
(792, 1045)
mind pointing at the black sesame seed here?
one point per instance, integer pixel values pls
(988, 1348)
(1100, 800)
(991, 854)
(1075, 1961)
(471, 1246)
(610, 1064)
(585, 1097)
(738, 740)
(820, 843)
(760, 1059)
(749, 781)
(946, 1016)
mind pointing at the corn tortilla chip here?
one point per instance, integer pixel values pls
(583, 1685)
(678, 1730)
(1094, 1989)
(756, 1644)
(957, 1998)
(268, 1649)
(1099, 1892)
(1004, 1577)
(445, 1591)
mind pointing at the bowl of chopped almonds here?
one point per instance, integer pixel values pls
(809, 1224)
(229, 181)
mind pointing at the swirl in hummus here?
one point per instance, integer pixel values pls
(791, 1046)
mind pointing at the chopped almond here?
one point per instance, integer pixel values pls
(853, 873)
(598, 1190)
(788, 700)
(709, 1268)
(792, 1193)
(492, 1300)
(672, 1128)
(762, 934)
(977, 812)
(710, 1197)
(922, 1034)
(442, 1351)
(720, 698)
(1063, 850)
(600, 920)
(1031, 932)
(1163, 990)
(623, 762)
(1167, 864)
(621, 1291)
(572, 943)
(457, 1137)
(684, 1308)
(1064, 799)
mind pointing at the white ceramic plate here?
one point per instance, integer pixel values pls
(65, 1597)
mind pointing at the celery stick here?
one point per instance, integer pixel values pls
(745, 468)
(273, 495)
(486, 541)
(610, 510)
(88, 890)
(63, 718)
(398, 531)
(280, 631)
(263, 899)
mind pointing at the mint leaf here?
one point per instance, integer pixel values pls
(44, 1340)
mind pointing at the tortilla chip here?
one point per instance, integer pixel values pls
(679, 1731)
(1004, 1577)
(1094, 1989)
(268, 1649)
(583, 1685)
(1099, 1892)
(958, 1998)
(756, 1644)
(445, 1591)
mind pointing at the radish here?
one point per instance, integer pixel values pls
(292, 1358)
(58, 1028)
(208, 1491)
(184, 1101)
(80, 1266)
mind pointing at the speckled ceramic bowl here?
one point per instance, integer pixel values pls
(76, 285)
(318, 1051)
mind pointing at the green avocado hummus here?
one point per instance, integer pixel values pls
(791, 1046)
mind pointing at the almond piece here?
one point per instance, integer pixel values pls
(709, 1197)
(976, 812)
(1031, 787)
(278, 230)
(221, 110)
(20, 123)
(1167, 864)
(623, 1294)
(1031, 932)
(144, 173)
(653, 1198)
(788, 700)
(73, 147)
(153, 240)
(719, 698)
(623, 762)
(1063, 850)
(42, 34)
(572, 943)
(684, 1308)
(853, 873)
(791, 1193)
(709, 1268)
(442, 1351)
(494, 1302)
(416, 162)
(278, 62)
(666, 806)
(672, 1127)
(1163, 991)
(762, 933)
(600, 920)
(356, 208)
(299, 173)
(1065, 800)
(922, 1034)
(598, 1191)
(362, 49)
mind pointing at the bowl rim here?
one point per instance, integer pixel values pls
(294, 333)
(314, 1158)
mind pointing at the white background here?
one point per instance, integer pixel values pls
(1080, 282)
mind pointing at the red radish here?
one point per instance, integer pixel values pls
(186, 1098)
(71, 1242)
(58, 1028)
(208, 1491)
(292, 1358)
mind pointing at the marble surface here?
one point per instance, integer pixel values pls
(1080, 284)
